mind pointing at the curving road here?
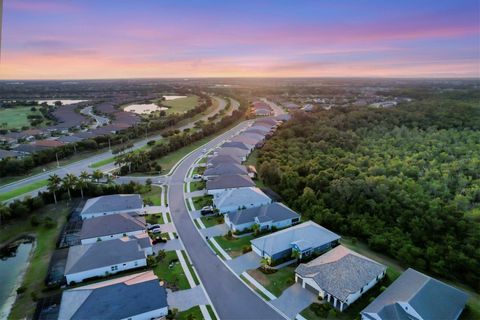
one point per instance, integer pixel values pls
(231, 298)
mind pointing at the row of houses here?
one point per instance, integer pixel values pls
(336, 274)
(261, 108)
(113, 238)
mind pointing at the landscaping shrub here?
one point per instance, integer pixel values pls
(246, 248)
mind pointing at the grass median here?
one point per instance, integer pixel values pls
(27, 188)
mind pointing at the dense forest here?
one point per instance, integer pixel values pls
(405, 180)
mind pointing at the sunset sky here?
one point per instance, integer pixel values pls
(68, 39)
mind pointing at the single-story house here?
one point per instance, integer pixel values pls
(415, 295)
(70, 139)
(243, 198)
(239, 145)
(48, 143)
(4, 154)
(263, 112)
(138, 296)
(224, 183)
(233, 152)
(306, 238)
(111, 227)
(224, 169)
(112, 204)
(216, 160)
(340, 276)
(103, 258)
(275, 215)
(256, 136)
(28, 148)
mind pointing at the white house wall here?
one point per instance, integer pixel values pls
(354, 296)
(112, 237)
(150, 315)
(80, 276)
(101, 214)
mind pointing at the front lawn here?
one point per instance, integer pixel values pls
(275, 282)
(155, 218)
(190, 314)
(170, 270)
(211, 221)
(233, 246)
(200, 202)
(153, 196)
(197, 185)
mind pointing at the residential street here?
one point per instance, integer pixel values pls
(231, 298)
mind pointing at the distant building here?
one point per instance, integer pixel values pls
(416, 296)
(139, 296)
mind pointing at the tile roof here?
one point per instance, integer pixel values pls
(414, 293)
(341, 271)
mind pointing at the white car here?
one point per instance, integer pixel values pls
(156, 230)
(197, 176)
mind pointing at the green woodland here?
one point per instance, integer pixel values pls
(406, 180)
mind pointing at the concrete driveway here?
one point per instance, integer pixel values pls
(293, 300)
(245, 262)
(170, 245)
(196, 214)
(218, 230)
(185, 299)
(168, 227)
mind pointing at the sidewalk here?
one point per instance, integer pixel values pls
(257, 285)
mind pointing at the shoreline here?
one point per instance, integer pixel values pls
(12, 297)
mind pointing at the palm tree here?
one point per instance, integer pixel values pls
(265, 262)
(69, 182)
(97, 175)
(109, 179)
(82, 181)
(54, 185)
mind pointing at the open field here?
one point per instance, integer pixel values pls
(19, 191)
(16, 118)
(180, 105)
(45, 243)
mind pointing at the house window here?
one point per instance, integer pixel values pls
(114, 268)
(361, 290)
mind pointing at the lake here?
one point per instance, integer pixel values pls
(12, 266)
(144, 108)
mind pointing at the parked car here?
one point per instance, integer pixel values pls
(153, 226)
(156, 230)
(158, 240)
(206, 210)
(197, 176)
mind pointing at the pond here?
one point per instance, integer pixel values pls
(173, 97)
(13, 263)
(64, 102)
(144, 108)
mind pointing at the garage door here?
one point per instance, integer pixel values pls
(310, 288)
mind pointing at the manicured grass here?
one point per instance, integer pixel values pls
(16, 118)
(45, 244)
(169, 218)
(275, 282)
(266, 298)
(203, 160)
(174, 276)
(154, 195)
(165, 192)
(215, 250)
(199, 170)
(180, 105)
(190, 314)
(197, 185)
(211, 313)
(195, 221)
(200, 202)
(190, 268)
(233, 246)
(17, 192)
(103, 162)
(211, 221)
(155, 218)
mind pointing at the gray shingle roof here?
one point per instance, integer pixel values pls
(235, 144)
(234, 152)
(100, 254)
(344, 276)
(309, 231)
(428, 297)
(223, 159)
(246, 139)
(114, 202)
(117, 300)
(226, 169)
(230, 181)
(271, 212)
(111, 224)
